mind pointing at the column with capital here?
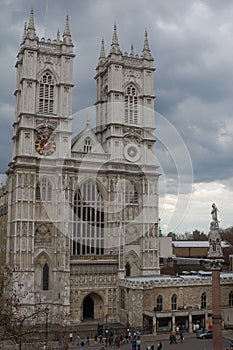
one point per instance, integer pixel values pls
(215, 257)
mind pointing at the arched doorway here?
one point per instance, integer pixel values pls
(88, 308)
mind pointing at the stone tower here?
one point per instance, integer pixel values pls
(37, 245)
(125, 128)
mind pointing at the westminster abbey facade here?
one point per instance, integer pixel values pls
(83, 210)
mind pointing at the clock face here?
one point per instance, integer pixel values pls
(132, 152)
(45, 144)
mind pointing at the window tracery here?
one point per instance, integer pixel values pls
(46, 93)
(44, 190)
(89, 218)
(131, 105)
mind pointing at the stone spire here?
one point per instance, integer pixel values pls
(132, 51)
(31, 32)
(115, 45)
(24, 33)
(58, 35)
(146, 49)
(102, 55)
(102, 50)
(66, 35)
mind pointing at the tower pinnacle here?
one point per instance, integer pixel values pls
(31, 32)
(102, 56)
(132, 51)
(24, 33)
(115, 45)
(66, 35)
(58, 35)
(146, 49)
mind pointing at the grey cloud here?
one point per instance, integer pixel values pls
(191, 43)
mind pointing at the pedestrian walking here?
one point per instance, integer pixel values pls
(134, 345)
(174, 339)
(181, 337)
(78, 340)
(71, 337)
(138, 343)
(81, 346)
(87, 340)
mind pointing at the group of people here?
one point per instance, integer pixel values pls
(172, 337)
(113, 341)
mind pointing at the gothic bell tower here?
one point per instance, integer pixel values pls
(43, 93)
(125, 101)
(125, 128)
(38, 244)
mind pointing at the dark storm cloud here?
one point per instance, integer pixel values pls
(192, 44)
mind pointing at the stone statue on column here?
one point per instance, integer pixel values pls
(215, 249)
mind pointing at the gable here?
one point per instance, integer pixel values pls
(86, 142)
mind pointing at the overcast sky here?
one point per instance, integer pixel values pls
(192, 44)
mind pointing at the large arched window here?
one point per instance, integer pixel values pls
(44, 190)
(159, 306)
(131, 105)
(88, 228)
(231, 298)
(203, 301)
(46, 94)
(45, 277)
(174, 302)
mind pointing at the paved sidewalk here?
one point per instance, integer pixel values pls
(146, 341)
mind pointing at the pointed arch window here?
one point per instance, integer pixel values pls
(87, 148)
(231, 298)
(159, 303)
(131, 105)
(45, 277)
(174, 302)
(203, 301)
(46, 94)
(89, 219)
(44, 190)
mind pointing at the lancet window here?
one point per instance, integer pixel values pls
(131, 105)
(203, 300)
(45, 277)
(87, 148)
(159, 303)
(46, 94)
(44, 190)
(174, 302)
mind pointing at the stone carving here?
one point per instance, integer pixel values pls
(215, 249)
(214, 212)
